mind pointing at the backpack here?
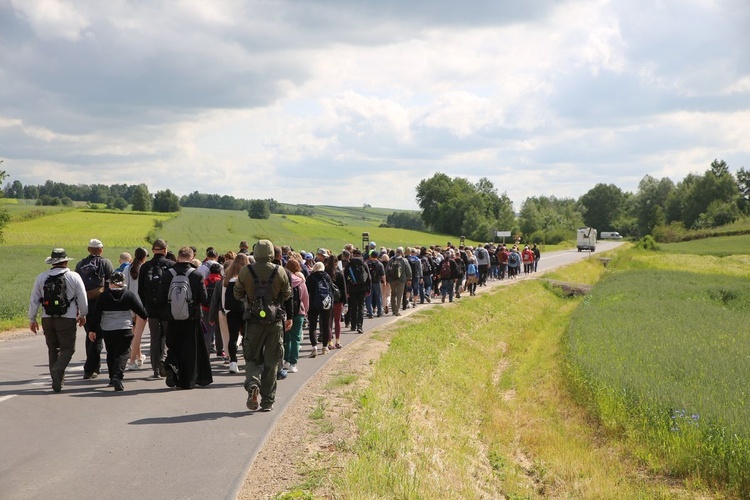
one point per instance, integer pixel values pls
(481, 253)
(154, 278)
(180, 295)
(262, 309)
(413, 261)
(393, 271)
(323, 299)
(472, 269)
(493, 259)
(513, 259)
(211, 287)
(55, 295)
(93, 277)
(460, 267)
(445, 271)
(232, 303)
(357, 274)
(426, 266)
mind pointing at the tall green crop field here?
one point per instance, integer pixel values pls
(661, 350)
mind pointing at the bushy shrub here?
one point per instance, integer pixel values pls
(647, 243)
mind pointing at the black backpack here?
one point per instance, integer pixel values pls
(231, 303)
(262, 309)
(55, 295)
(445, 271)
(323, 299)
(92, 274)
(357, 275)
(426, 266)
(154, 277)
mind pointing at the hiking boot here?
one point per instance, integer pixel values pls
(117, 384)
(428, 299)
(57, 381)
(253, 398)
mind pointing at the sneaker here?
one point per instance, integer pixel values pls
(397, 314)
(325, 350)
(57, 381)
(369, 316)
(286, 365)
(281, 375)
(253, 398)
(338, 346)
(359, 330)
(87, 375)
(266, 408)
(428, 299)
(133, 366)
(314, 352)
(293, 369)
(227, 360)
(117, 384)
(233, 368)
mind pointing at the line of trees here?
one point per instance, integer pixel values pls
(699, 201)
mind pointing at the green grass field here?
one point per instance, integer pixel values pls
(720, 247)
(661, 349)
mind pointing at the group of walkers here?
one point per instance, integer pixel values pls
(263, 297)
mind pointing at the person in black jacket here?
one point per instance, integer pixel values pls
(358, 285)
(149, 290)
(112, 320)
(187, 363)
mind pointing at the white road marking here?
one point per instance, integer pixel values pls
(5, 398)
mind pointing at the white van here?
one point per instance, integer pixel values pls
(612, 235)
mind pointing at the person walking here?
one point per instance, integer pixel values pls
(94, 271)
(301, 303)
(187, 363)
(112, 320)
(268, 294)
(149, 290)
(397, 273)
(131, 281)
(358, 285)
(320, 292)
(62, 296)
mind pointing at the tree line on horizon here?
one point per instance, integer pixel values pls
(475, 210)
(700, 201)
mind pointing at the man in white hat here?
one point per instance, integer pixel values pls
(62, 295)
(94, 270)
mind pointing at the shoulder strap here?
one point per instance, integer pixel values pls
(174, 273)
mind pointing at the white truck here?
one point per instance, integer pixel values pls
(610, 235)
(586, 239)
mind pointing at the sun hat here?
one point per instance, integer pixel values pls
(58, 256)
(94, 243)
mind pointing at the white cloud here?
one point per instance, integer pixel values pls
(270, 99)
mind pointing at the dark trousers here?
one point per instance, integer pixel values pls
(483, 270)
(60, 335)
(234, 322)
(118, 351)
(357, 309)
(322, 316)
(158, 345)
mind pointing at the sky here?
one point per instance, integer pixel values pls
(347, 102)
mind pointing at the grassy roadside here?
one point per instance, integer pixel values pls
(470, 402)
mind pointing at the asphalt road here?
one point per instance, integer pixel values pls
(89, 442)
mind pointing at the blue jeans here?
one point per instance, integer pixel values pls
(427, 286)
(374, 301)
(417, 288)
